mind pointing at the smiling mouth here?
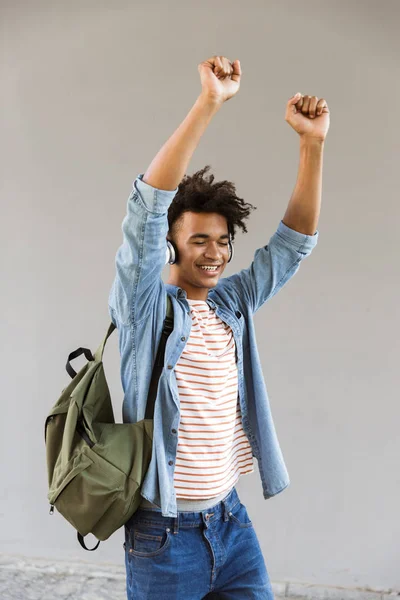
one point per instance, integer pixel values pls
(210, 271)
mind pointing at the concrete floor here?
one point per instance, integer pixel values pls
(23, 578)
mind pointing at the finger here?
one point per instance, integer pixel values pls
(306, 103)
(226, 67)
(221, 71)
(218, 66)
(300, 103)
(321, 106)
(236, 70)
(312, 106)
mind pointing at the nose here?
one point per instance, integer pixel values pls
(213, 256)
(213, 259)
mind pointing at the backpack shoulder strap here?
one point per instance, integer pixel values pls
(170, 310)
(159, 361)
(169, 324)
(98, 355)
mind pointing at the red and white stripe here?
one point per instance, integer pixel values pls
(213, 450)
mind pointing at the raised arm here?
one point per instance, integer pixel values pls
(170, 164)
(296, 236)
(141, 257)
(310, 118)
(220, 80)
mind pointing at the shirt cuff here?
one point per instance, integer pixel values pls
(302, 242)
(154, 199)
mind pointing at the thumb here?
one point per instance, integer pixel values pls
(295, 98)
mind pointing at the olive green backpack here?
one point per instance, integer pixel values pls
(95, 466)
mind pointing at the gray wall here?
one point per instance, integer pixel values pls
(90, 92)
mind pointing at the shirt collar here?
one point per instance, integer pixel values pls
(178, 292)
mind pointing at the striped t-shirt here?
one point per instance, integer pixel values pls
(213, 450)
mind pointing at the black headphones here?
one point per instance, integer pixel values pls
(171, 253)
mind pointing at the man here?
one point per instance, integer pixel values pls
(191, 537)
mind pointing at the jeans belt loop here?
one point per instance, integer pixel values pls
(176, 524)
(226, 518)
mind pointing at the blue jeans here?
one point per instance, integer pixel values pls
(210, 554)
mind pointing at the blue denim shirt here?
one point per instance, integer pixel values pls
(137, 306)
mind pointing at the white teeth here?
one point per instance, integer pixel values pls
(209, 268)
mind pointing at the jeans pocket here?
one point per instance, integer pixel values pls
(239, 516)
(147, 540)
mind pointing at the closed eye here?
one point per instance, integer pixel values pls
(204, 243)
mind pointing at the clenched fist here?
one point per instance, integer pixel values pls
(220, 79)
(308, 116)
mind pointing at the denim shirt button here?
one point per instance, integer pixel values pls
(173, 430)
(170, 367)
(170, 462)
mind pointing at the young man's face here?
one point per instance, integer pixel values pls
(210, 248)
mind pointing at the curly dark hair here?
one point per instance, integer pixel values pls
(198, 194)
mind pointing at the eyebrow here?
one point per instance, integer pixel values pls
(206, 236)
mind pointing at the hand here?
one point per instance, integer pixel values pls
(308, 116)
(220, 79)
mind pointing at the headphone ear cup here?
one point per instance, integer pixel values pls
(231, 250)
(170, 253)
